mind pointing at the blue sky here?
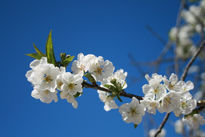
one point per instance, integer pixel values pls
(108, 28)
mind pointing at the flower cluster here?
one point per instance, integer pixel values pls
(46, 79)
(161, 93)
(101, 71)
(192, 122)
(194, 25)
(167, 95)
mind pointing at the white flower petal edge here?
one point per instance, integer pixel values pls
(108, 100)
(101, 69)
(45, 95)
(132, 112)
(43, 75)
(82, 64)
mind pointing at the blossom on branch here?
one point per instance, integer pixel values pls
(132, 112)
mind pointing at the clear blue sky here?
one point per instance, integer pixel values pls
(110, 28)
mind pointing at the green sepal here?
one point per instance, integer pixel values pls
(78, 94)
(34, 55)
(90, 77)
(135, 125)
(111, 87)
(117, 85)
(49, 50)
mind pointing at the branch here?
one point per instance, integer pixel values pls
(155, 34)
(192, 60)
(183, 78)
(122, 93)
(162, 124)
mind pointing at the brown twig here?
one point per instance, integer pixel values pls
(123, 93)
(192, 60)
(155, 34)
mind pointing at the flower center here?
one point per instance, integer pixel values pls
(132, 111)
(153, 104)
(171, 86)
(47, 78)
(82, 67)
(167, 101)
(46, 92)
(156, 90)
(59, 84)
(71, 86)
(183, 104)
(99, 70)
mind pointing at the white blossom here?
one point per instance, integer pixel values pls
(193, 69)
(171, 83)
(154, 87)
(82, 64)
(153, 131)
(72, 83)
(169, 102)
(119, 76)
(100, 69)
(108, 100)
(150, 103)
(186, 105)
(198, 95)
(185, 87)
(45, 95)
(132, 112)
(43, 75)
(203, 76)
(179, 126)
(70, 98)
(194, 121)
(173, 34)
(189, 17)
(199, 133)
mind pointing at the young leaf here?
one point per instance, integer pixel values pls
(90, 77)
(34, 55)
(38, 51)
(63, 56)
(49, 50)
(67, 60)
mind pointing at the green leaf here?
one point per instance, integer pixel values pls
(67, 60)
(34, 55)
(49, 50)
(90, 77)
(135, 125)
(38, 51)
